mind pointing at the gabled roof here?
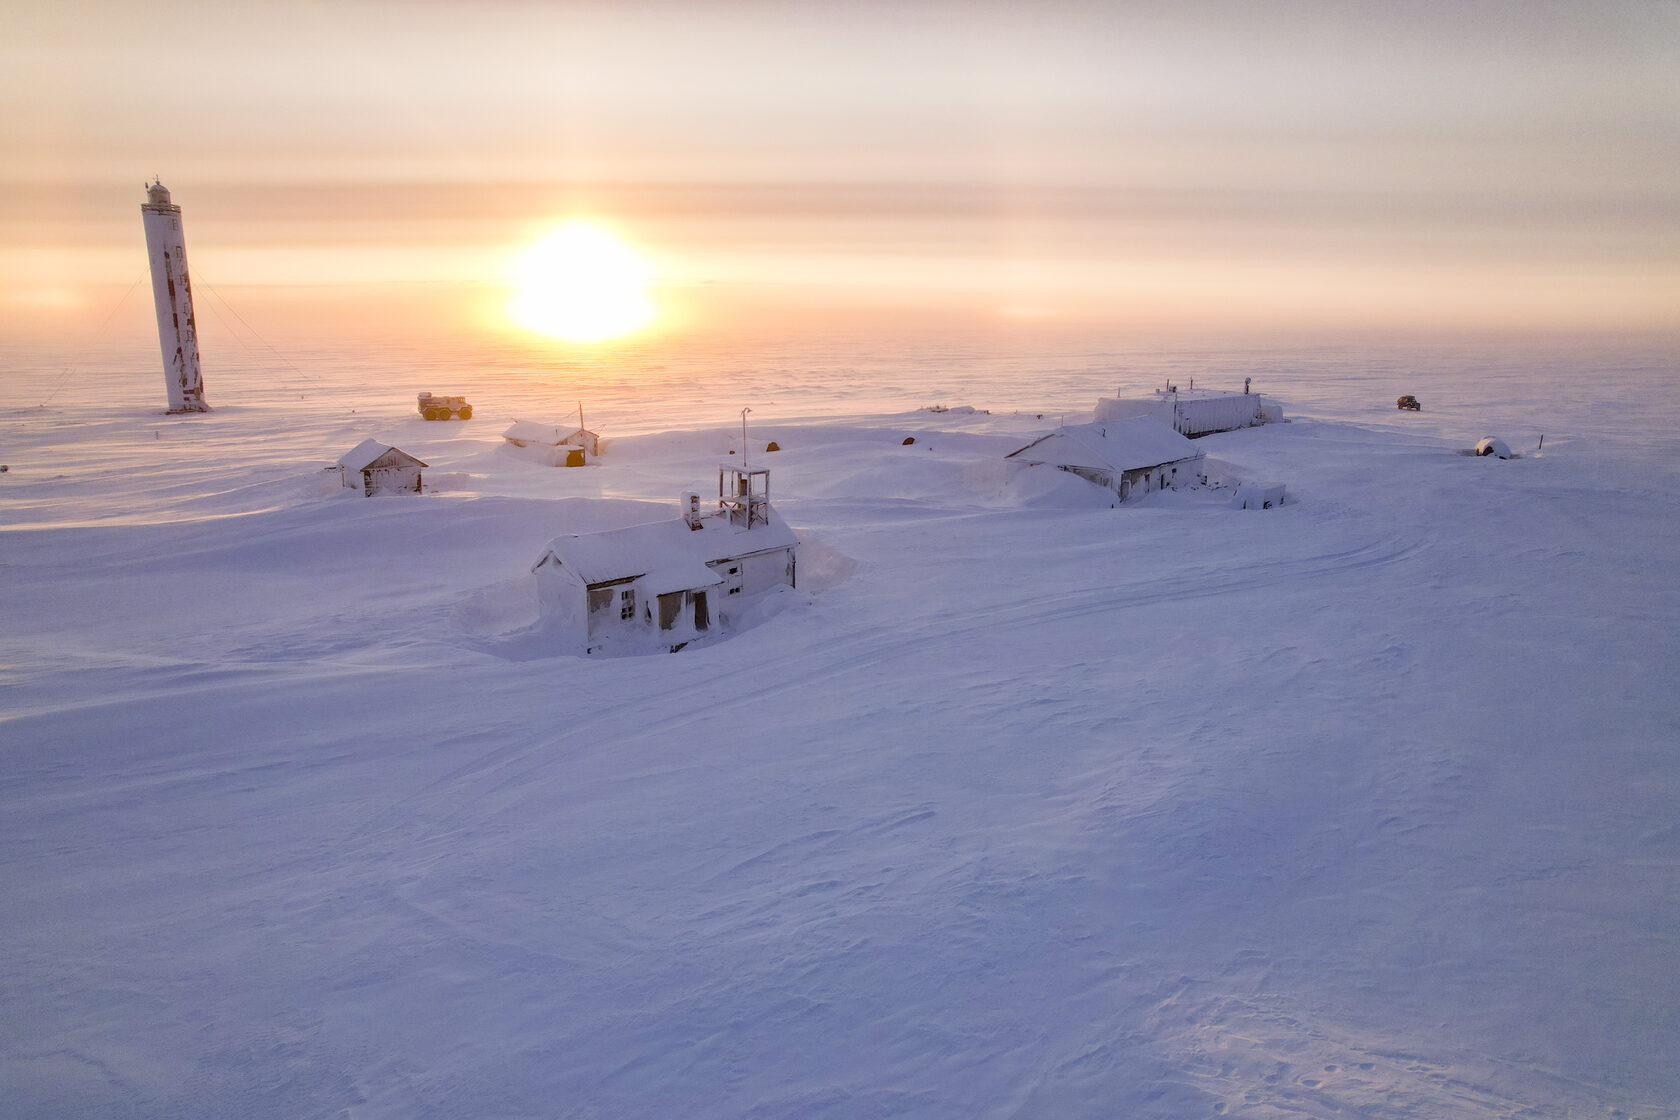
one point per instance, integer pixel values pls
(370, 452)
(666, 549)
(1110, 445)
(529, 431)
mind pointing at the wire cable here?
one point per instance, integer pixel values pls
(64, 379)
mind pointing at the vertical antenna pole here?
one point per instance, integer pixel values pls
(746, 479)
(744, 412)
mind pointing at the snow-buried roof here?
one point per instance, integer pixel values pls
(1110, 445)
(669, 550)
(529, 431)
(371, 451)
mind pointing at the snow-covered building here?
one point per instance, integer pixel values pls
(671, 580)
(376, 468)
(1257, 495)
(1195, 412)
(529, 433)
(1130, 457)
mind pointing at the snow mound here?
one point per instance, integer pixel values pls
(1047, 487)
(448, 480)
(499, 610)
(1247, 1052)
(821, 566)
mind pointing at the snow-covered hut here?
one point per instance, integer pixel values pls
(529, 433)
(1257, 495)
(1129, 457)
(1195, 412)
(376, 468)
(1494, 446)
(672, 580)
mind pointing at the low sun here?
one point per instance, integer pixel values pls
(580, 284)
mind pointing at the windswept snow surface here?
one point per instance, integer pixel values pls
(1021, 807)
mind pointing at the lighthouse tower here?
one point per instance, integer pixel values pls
(172, 293)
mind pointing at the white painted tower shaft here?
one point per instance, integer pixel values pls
(172, 293)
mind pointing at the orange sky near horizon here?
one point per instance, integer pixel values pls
(1114, 167)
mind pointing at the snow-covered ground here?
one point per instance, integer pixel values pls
(1022, 806)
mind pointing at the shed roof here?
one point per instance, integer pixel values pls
(668, 550)
(1110, 445)
(529, 431)
(370, 452)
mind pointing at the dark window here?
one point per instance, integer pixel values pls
(670, 605)
(627, 605)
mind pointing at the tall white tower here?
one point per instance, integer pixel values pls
(172, 293)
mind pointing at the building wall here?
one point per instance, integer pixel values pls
(562, 598)
(390, 480)
(1167, 476)
(621, 606)
(767, 570)
(1192, 416)
(1203, 415)
(1105, 479)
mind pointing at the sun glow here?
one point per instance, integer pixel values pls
(580, 284)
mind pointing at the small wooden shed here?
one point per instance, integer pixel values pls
(1130, 457)
(378, 468)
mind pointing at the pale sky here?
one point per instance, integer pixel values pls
(1298, 165)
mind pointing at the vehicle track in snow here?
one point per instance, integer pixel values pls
(505, 768)
(879, 643)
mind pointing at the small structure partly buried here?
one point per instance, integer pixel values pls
(1129, 457)
(552, 444)
(670, 582)
(1195, 412)
(1257, 495)
(376, 468)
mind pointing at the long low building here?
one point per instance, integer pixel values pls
(1130, 457)
(1194, 412)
